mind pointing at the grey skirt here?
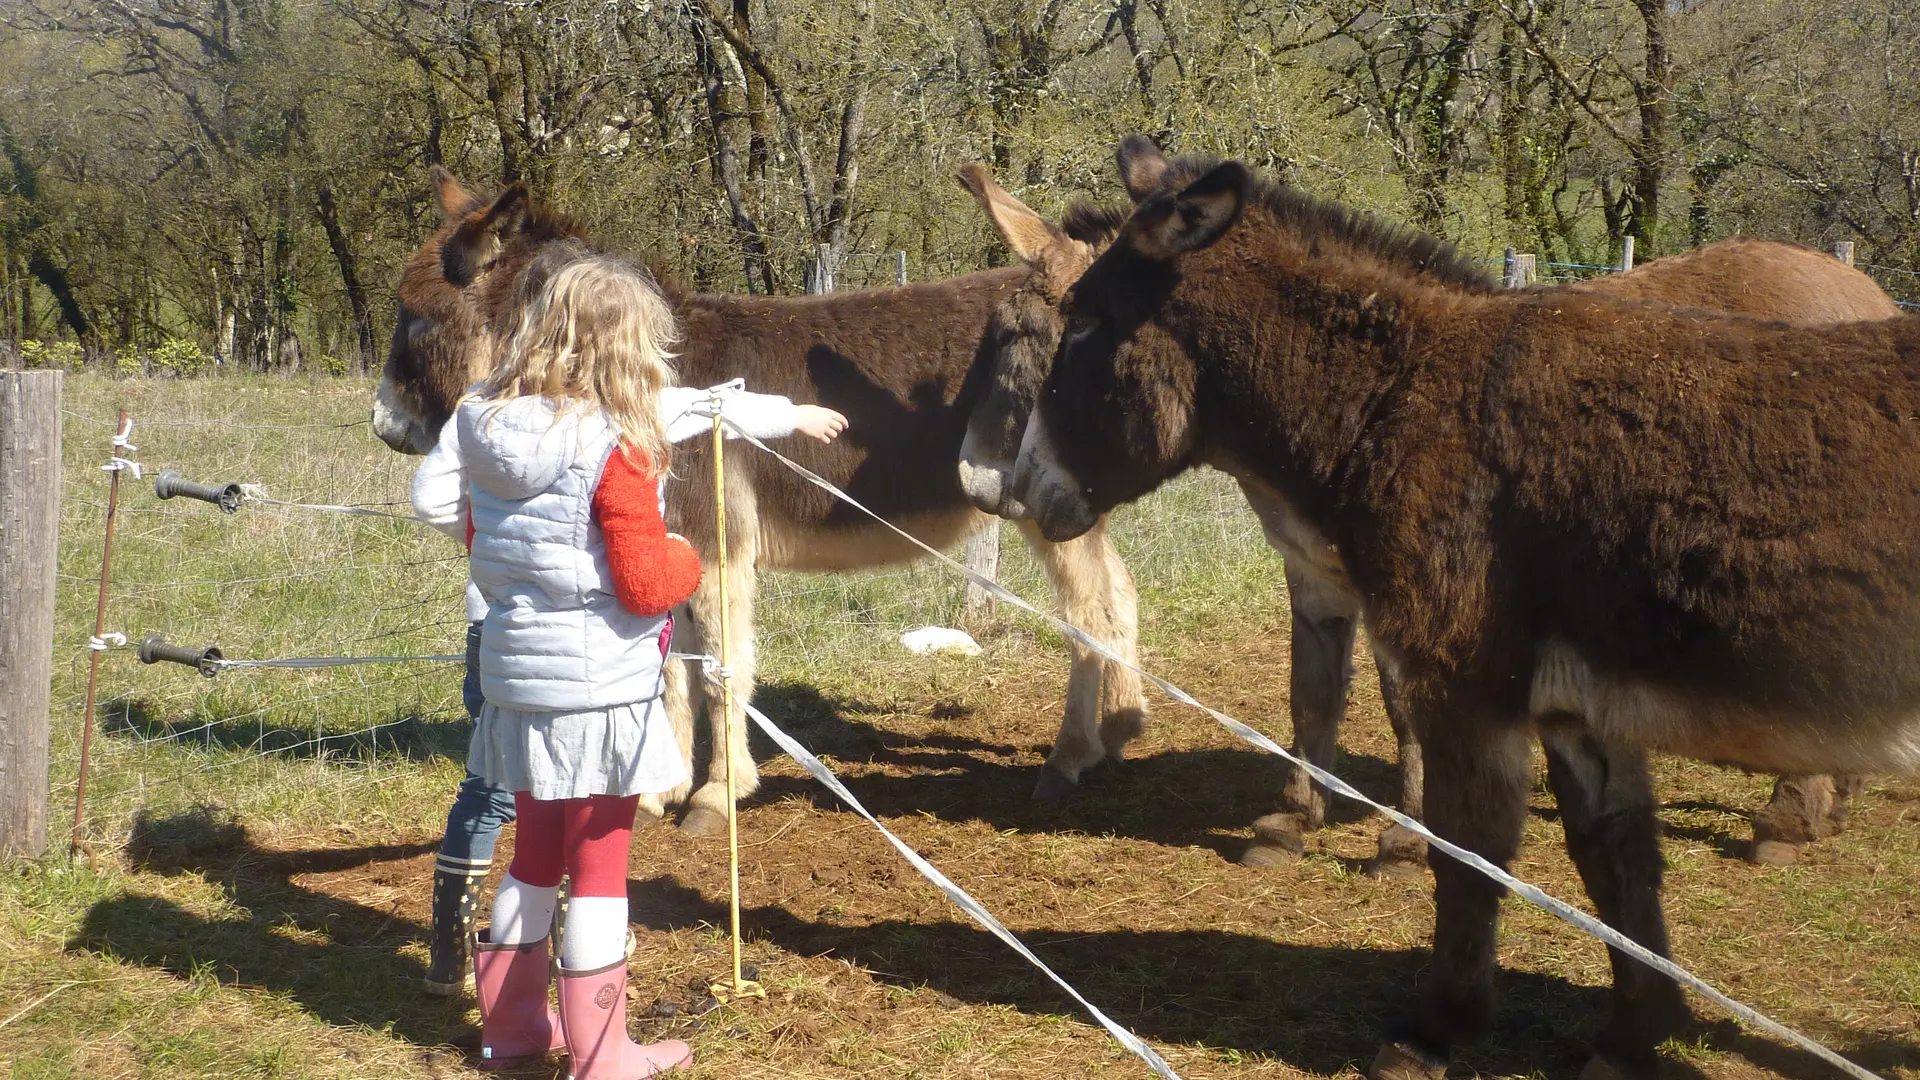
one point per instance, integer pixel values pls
(623, 750)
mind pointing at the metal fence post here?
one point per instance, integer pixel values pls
(1843, 250)
(899, 268)
(1626, 253)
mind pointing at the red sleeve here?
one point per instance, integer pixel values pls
(651, 570)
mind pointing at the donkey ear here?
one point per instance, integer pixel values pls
(1195, 218)
(452, 196)
(1142, 166)
(1026, 232)
(479, 239)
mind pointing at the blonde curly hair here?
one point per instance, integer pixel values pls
(594, 332)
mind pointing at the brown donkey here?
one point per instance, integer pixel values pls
(900, 363)
(1613, 526)
(1743, 276)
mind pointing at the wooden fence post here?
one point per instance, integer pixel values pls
(29, 554)
(982, 556)
(1517, 270)
(1843, 250)
(1626, 253)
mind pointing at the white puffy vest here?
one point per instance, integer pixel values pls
(555, 637)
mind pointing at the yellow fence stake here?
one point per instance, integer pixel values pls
(741, 987)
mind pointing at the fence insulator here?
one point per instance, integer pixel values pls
(207, 660)
(170, 484)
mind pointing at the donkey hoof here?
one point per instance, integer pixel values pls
(1402, 854)
(1397, 1061)
(1054, 785)
(1261, 855)
(1278, 840)
(701, 821)
(650, 810)
(1393, 864)
(1773, 853)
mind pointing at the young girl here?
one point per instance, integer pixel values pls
(553, 470)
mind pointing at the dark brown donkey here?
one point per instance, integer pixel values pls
(900, 363)
(1744, 276)
(1613, 526)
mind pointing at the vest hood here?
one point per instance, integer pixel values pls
(518, 449)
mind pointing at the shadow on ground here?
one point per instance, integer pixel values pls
(338, 959)
(1190, 798)
(1316, 1008)
(406, 736)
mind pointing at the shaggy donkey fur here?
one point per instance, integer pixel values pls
(1613, 526)
(902, 364)
(1742, 276)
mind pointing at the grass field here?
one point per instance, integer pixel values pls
(257, 899)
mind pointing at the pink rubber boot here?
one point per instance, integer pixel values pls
(593, 1010)
(517, 1025)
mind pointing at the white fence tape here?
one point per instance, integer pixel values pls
(960, 897)
(1532, 894)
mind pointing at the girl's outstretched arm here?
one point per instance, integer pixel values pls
(687, 411)
(440, 485)
(652, 569)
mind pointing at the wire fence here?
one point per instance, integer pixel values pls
(271, 581)
(277, 581)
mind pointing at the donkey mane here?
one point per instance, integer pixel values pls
(550, 238)
(547, 222)
(1092, 224)
(1316, 218)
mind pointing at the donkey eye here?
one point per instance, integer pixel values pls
(1081, 327)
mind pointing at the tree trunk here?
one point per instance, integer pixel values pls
(724, 118)
(349, 278)
(1651, 93)
(55, 279)
(1510, 152)
(1128, 13)
(504, 127)
(759, 123)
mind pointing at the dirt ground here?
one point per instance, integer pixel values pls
(1130, 893)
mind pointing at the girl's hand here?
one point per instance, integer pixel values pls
(818, 422)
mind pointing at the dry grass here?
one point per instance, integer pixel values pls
(280, 935)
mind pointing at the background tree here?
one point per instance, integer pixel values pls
(244, 176)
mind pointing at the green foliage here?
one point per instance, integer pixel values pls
(270, 184)
(179, 356)
(67, 355)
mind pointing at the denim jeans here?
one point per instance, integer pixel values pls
(480, 810)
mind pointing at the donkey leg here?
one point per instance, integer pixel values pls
(1079, 573)
(1123, 704)
(679, 705)
(1402, 853)
(1845, 790)
(1477, 779)
(707, 811)
(1799, 813)
(1608, 810)
(1324, 619)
